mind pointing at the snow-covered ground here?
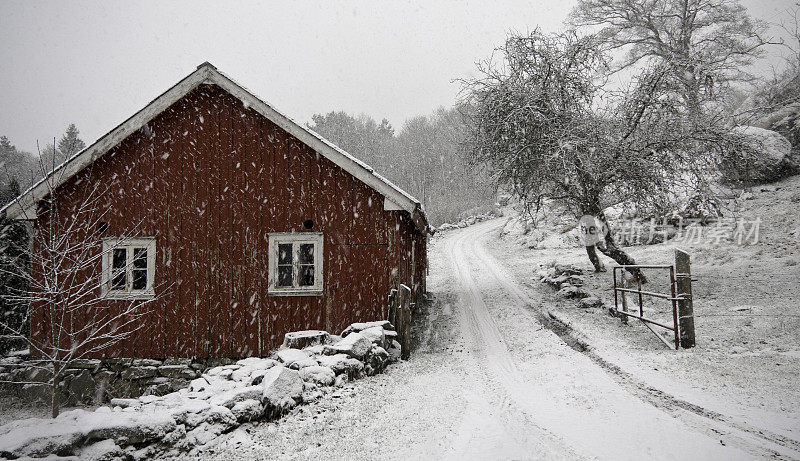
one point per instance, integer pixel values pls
(491, 379)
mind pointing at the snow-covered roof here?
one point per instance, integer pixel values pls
(24, 207)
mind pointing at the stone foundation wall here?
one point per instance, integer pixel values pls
(94, 381)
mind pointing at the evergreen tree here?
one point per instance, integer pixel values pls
(70, 143)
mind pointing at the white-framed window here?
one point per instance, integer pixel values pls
(128, 268)
(295, 264)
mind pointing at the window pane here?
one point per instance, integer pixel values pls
(285, 276)
(140, 258)
(139, 279)
(284, 253)
(306, 275)
(118, 280)
(306, 253)
(119, 258)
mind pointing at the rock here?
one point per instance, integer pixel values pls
(28, 438)
(355, 345)
(177, 361)
(765, 155)
(317, 349)
(88, 364)
(117, 364)
(247, 410)
(282, 388)
(125, 403)
(570, 291)
(342, 364)
(146, 363)
(318, 374)
(231, 397)
(257, 376)
(131, 428)
(177, 371)
(82, 387)
(567, 269)
(340, 381)
(158, 386)
(176, 436)
(242, 374)
(376, 360)
(394, 351)
(309, 362)
(311, 392)
(289, 356)
(577, 280)
(257, 363)
(104, 450)
(302, 339)
(589, 302)
(361, 326)
(203, 434)
(198, 385)
(376, 335)
(139, 372)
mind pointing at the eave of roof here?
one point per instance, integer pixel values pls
(24, 207)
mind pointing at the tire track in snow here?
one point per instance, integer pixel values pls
(756, 441)
(484, 340)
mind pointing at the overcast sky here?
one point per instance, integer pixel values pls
(96, 63)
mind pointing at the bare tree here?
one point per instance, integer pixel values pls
(70, 314)
(701, 44)
(540, 124)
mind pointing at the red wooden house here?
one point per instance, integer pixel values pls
(250, 223)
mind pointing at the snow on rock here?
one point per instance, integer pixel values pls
(214, 403)
(302, 339)
(282, 389)
(229, 398)
(101, 451)
(318, 375)
(355, 345)
(768, 154)
(375, 335)
(342, 364)
(361, 326)
(247, 410)
(257, 363)
(289, 356)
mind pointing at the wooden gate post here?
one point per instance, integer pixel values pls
(683, 277)
(404, 322)
(392, 306)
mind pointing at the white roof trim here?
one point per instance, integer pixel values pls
(24, 207)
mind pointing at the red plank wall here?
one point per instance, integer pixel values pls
(210, 179)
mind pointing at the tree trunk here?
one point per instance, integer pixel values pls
(55, 403)
(610, 249)
(591, 250)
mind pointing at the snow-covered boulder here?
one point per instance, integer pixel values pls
(361, 326)
(355, 345)
(247, 410)
(302, 339)
(764, 155)
(257, 363)
(282, 389)
(318, 374)
(342, 364)
(229, 398)
(289, 356)
(104, 450)
(376, 335)
(394, 351)
(591, 301)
